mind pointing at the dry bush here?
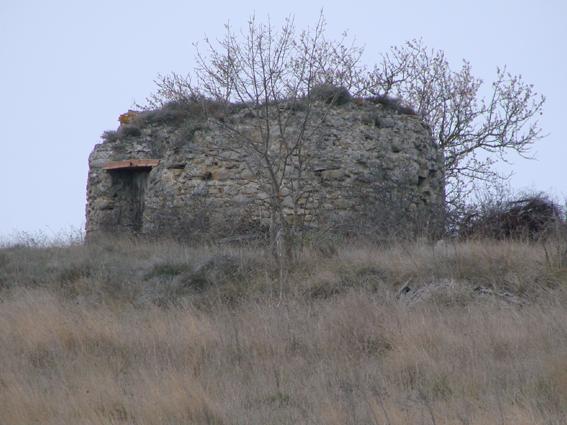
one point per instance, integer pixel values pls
(532, 217)
(390, 335)
(392, 103)
(331, 94)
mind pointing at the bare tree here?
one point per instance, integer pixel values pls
(274, 73)
(469, 122)
(277, 78)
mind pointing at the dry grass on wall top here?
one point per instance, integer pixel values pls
(399, 335)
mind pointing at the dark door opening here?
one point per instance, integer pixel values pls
(128, 187)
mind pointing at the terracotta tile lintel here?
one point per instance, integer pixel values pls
(131, 163)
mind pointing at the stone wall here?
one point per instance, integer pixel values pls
(371, 168)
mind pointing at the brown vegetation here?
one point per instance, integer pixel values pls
(533, 217)
(125, 332)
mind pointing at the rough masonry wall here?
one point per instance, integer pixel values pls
(370, 167)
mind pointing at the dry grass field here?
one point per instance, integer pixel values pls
(126, 332)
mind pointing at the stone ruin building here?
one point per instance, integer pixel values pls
(372, 168)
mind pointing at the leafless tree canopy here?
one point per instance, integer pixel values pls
(264, 64)
(272, 74)
(468, 121)
(268, 69)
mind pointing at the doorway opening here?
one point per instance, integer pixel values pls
(129, 181)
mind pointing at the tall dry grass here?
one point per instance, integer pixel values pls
(471, 333)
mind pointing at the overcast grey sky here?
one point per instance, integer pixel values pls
(69, 68)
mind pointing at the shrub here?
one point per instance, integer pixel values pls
(392, 103)
(110, 136)
(331, 94)
(179, 111)
(174, 112)
(129, 130)
(532, 217)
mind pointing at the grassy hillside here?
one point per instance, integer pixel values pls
(126, 332)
